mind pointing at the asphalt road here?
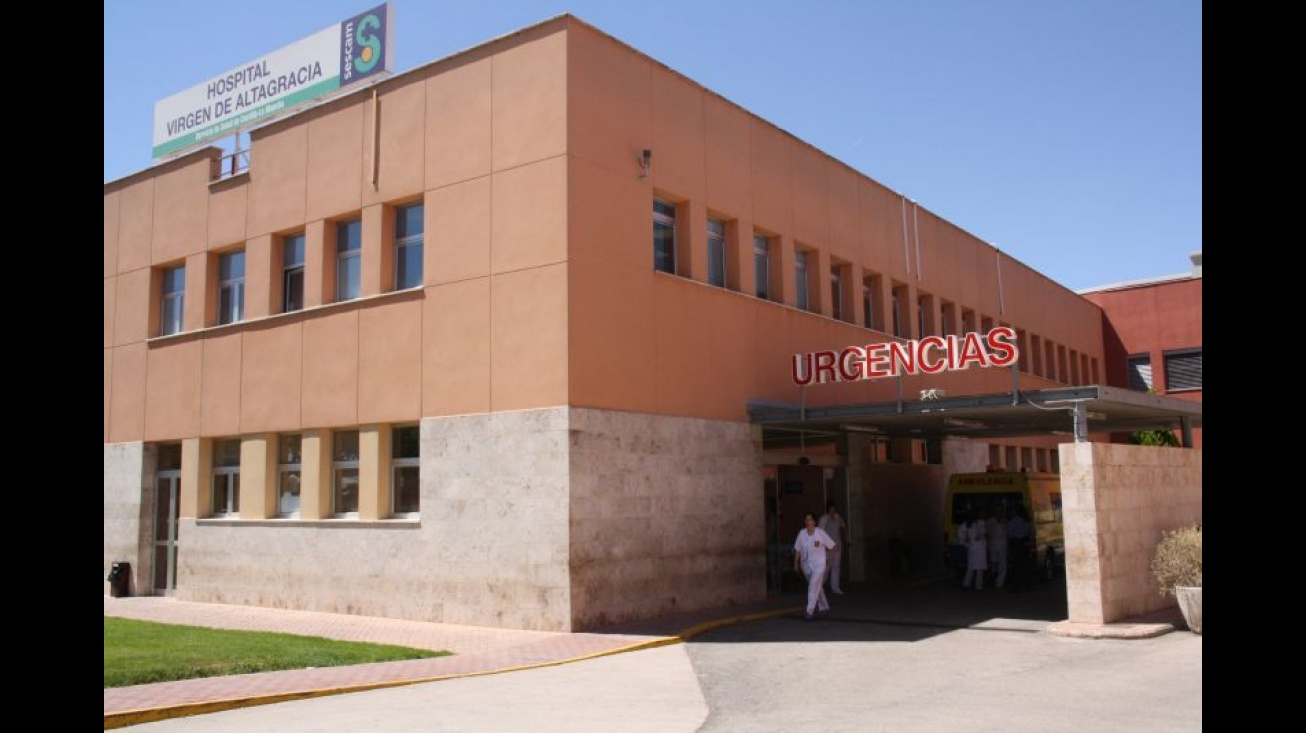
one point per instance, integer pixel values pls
(782, 674)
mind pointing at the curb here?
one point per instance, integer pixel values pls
(150, 715)
(1073, 630)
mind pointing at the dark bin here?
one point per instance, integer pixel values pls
(120, 574)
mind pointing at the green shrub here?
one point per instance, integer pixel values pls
(1178, 560)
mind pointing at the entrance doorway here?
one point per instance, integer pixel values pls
(789, 492)
(167, 489)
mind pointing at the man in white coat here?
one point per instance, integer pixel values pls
(809, 556)
(834, 526)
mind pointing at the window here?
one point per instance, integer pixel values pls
(664, 236)
(173, 300)
(408, 247)
(716, 252)
(292, 273)
(349, 261)
(231, 287)
(226, 477)
(801, 298)
(288, 457)
(762, 266)
(836, 291)
(405, 452)
(947, 318)
(898, 326)
(344, 473)
(1183, 370)
(967, 321)
(870, 301)
(923, 316)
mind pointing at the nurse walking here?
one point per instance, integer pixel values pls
(809, 556)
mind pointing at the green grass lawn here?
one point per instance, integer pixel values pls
(137, 652)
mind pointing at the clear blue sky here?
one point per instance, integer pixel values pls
(1067, 134)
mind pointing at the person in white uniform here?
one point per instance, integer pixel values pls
(972, 535)
(997, 543)
(832, 524)
(809, 556)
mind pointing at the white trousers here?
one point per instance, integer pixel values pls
(816, 600)
(978, 575)
(832, 562)
(998, 561)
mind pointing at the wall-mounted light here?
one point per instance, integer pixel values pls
(645, 159)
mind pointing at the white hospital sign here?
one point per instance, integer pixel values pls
(345, 53)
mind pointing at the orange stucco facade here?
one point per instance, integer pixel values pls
(538, 287)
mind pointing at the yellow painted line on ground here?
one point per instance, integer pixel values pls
(150, 715)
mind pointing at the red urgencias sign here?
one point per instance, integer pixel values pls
(930, 355)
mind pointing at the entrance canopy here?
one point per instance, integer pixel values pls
(1037, 412)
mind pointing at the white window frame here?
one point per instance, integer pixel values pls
(762, 266)
(716, 252)
(291, 269)
(836, 291)
(172, 300)
(344, 256)
(233, 288)
(802, 294)
(668, 220)
(410, 240)
(230, 475)
(286, 470)
(337, 469)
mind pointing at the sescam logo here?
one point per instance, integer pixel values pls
(369, 45)
(362, 44)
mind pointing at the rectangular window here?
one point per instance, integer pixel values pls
(801, 298)
(409, 227)
(924, 316)
(292, 273)
(1036, 351)
(405, 461)
(288, 457)
(871, 301)
(1183, 370)
(349, 260)
(836, 291)
(173, 300)
(967, 321)
(664, 236)
(947, 318)
(344, 473)
(226, 477)
(716, 253)
(899, 295)
(762, 266)
(231, 287)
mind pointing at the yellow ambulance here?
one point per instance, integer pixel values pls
(1039, 493)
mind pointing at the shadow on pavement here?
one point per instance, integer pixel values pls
(880, 612)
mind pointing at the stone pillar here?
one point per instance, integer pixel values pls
(196, 499)
(377, 255)
(315, 474)
(319, 263)
(373, 472)
(258, 470)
